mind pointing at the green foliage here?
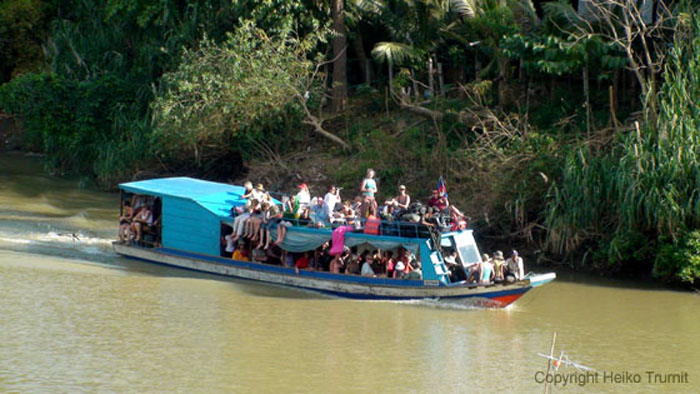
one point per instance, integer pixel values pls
(680, 259)
(648, 183)
(65, 119)
(22, 30)
(232, 89)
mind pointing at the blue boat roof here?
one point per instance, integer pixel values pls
(217, 198)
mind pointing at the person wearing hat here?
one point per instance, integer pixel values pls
(514, 266)
(259, 193)
(499, 265)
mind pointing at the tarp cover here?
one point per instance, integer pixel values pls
(299, 240)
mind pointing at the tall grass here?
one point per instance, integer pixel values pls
(647, 183)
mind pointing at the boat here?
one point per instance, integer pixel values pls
(191, 217)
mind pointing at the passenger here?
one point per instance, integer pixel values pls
(458, 220)
(230, 245)
(454, 267)
(399, 204)
(302, 200)
(138, 201)
(378, 263)
(143, 218)
(368, 190)
(347, 212)
(416, 273)
(239, 223)
(274, 218)
(357, 205)
(373, 223)
(260, 194)
(253, 223)
(514, 266)
(322, 257)
(367, 269)
(303, 261)
(125, 222)
(331, 199)
(498, 266)
(248, 193)
(389, 263)
(319, 213)
(352, 265)
(438, 201)
(399, 269)
(486, 273)
(240, 254)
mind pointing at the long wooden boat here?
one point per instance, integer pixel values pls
(192, 214)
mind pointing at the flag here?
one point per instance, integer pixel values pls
(442, 188)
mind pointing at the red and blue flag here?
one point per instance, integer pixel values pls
(442, 188)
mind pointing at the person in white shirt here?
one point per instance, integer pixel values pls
(367, 269)
(514, 266)
(303, 198)
(331, 199)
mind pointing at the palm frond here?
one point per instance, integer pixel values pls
(464, 8)
(393, 52)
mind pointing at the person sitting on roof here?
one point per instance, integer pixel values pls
(240, 221)
(373, 223)
(438, 201)
(248, 192)
(259, 193)
(368, 188)
(143, 218)
(458, 220)
(125, 222)
(331, 199)
(271, 220)
(302, 199)
(318, 213)
(254, 222)
(399, 204)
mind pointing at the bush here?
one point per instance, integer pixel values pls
(679, 260)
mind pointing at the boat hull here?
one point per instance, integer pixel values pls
(348, 286)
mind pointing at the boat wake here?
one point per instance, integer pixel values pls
(463, 304)
(67, 244)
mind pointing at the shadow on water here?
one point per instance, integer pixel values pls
(568, 275)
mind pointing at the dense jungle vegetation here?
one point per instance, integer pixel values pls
(568, 127)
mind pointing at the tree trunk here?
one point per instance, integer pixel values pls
(340, 89)
(361, 55)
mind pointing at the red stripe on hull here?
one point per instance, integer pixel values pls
(507, 299)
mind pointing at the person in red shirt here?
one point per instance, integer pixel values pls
(438, 201)
(303, 261)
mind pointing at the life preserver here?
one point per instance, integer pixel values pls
(372, 225)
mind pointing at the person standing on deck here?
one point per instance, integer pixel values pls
(368, 190)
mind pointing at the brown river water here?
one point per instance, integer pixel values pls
(74, 317)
